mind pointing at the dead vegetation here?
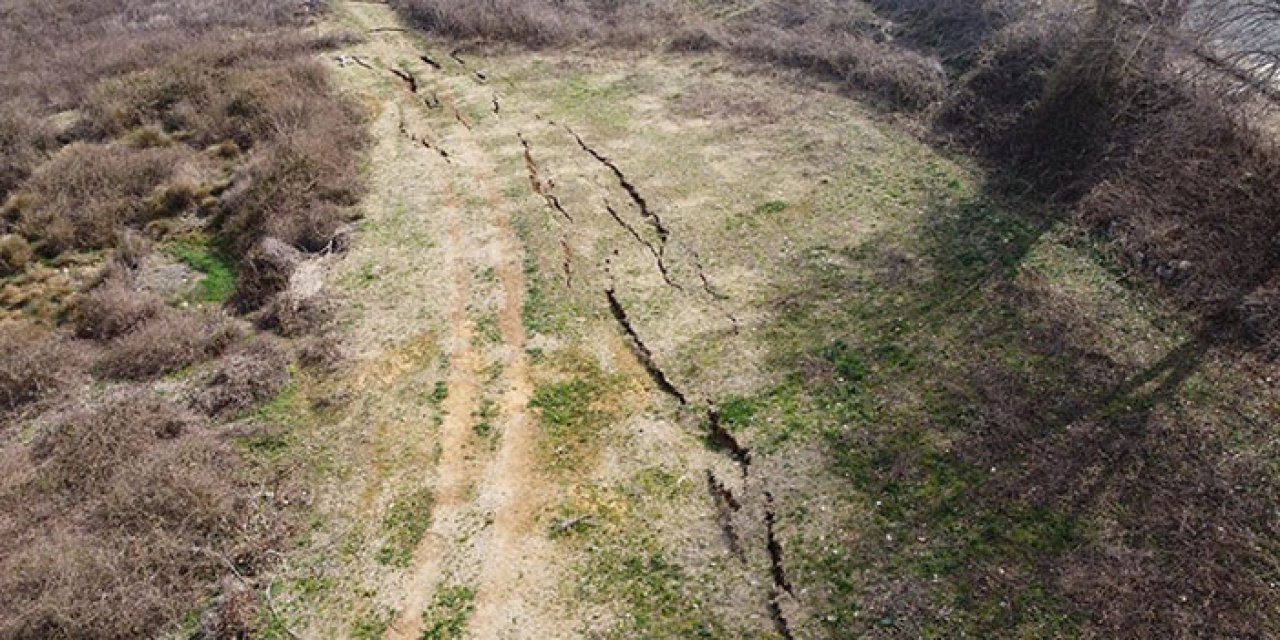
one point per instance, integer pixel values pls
(136, 133)
(122, 516)
(33, 361)
(166, 344)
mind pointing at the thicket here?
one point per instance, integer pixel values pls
(128, 126)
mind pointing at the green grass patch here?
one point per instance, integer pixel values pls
(573, 412)
(447, 616)
(484, 416)
(405, 523)
(625, 566)
(372, 626)
(219, 270)
(772, 207)
(487, 327)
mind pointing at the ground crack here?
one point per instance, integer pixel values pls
(404, 131)
(536, 182)
(657, 253)
(653, 218)
(642, 351)
(407, 77)
(726, 506)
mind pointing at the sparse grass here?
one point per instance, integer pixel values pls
(447, 616)
(406, 522)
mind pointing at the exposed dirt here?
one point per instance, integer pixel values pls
(473, 191)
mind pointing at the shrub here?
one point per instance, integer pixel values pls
(131, 249)
(1194, 204)
(32, 362)
(252, 373)
(83, 196)
(165, 344)
(15, 253)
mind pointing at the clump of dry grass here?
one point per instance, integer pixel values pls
(86, 193)
(166, 344)
(15, 253)
(33, 361)
(251, 373)
(114, 309)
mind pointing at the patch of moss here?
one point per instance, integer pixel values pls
(219, 270)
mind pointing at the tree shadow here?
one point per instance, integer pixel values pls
(1054, 487)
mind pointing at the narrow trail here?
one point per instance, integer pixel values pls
(460, 140)
(486, 501)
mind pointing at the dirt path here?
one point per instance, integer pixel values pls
(614, 259)
(486, 492)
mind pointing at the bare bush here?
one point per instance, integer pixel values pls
(33, 362)
(1195, 205)
(86, 193)
(84, 450)
(114, 309)
(24, 140)
(132, 515)
(165, 344)
(253, 372)
(264, 272)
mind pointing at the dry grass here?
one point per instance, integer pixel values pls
(122, 516)
(165, 344)
(840, 41)
(33, 361)
(114, 309)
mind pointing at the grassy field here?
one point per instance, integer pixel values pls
(668, 323)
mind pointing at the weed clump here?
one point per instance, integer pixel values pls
(166, 344)
(114, 309)
(33, 362)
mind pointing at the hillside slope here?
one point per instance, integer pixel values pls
(663, 346)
